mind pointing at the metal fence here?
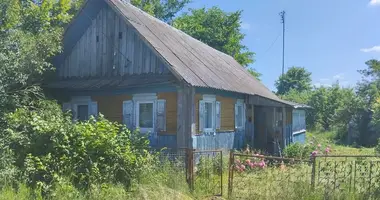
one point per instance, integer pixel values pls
(347, 174)
(328, 177)
(203, 169)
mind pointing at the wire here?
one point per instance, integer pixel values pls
(270, 46)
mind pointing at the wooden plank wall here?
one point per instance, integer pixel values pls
(110, 47)
(227, 112)
(112, 108)
(171, 111)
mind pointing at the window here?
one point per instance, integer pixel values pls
(209, 114)
(239, 114)
(82, 112)
(82, 107)
(145, 109)
(239, 120)
(146, 115)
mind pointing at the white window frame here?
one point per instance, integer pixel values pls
(213, 116)
(80, 101)
(240, 102)
(141, 99)
(207, 98)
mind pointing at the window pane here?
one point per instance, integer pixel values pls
(239, 116)
(208, 115)
(146, 115)
(82, 112)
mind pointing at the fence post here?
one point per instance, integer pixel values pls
(190, 168)
(230, 173)
(313, 166)
(221, 173)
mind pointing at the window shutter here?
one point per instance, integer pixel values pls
(74, 109)
(93, 110)
(66, 107)
(218, 116)
(161, 115)
(236, 115)
(201, 115)
(128, 114)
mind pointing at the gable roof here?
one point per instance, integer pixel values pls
(187, 58)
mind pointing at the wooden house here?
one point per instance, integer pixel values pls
(138, 70)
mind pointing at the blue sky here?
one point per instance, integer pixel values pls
(331, 38)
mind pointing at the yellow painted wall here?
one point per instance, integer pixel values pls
(112, 108)
(171, 111)
(227, 112)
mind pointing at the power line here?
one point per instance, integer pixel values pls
(269, 47)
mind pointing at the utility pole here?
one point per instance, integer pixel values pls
(282, 14)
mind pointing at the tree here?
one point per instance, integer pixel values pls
(164, 10)
(297, 78)
(325, 102)
(30, 34)
(218, 29)
(254, 73)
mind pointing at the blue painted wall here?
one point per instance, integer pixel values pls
(160, 141)
(299, 137)
(225, 140)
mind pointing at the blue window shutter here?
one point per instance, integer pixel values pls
(93, 109)
(128, 114)
(74, 109)
(218, 115)
(161, 115)
(236, 115)
(201, 115)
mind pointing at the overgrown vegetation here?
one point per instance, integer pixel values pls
(351, 112)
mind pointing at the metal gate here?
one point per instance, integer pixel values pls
(205, 172)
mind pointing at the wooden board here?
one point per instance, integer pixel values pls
(111, 106)
(171, 111)
(110, 55)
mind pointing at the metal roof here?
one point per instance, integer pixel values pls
(193, 61)
(296, 105)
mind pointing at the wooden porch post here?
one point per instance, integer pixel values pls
(284, 136)
(185, 116)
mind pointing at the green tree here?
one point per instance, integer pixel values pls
(30, 34)
(254, 73)
(297, 78)
(327, 102)
(218, 29)
(164, 10)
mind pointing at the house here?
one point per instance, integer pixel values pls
(137, 70)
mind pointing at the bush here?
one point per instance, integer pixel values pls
(298, 150)
(49, 147)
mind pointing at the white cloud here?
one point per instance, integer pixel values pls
(338, 77)
(328, 82)
(245, 26)
(371, 49)
(374, 2)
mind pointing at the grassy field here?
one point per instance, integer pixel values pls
(287, 181)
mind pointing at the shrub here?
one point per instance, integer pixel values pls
(48, 147)
(298, 150)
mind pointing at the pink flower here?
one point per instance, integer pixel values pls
(248, 161)
(237, 168)
(252, 165)
(237, 161)
(242, 167)
(327, 150)
(261, 164)
(314, 153)
(319, 145)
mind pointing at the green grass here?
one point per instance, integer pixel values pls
(326, 138)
